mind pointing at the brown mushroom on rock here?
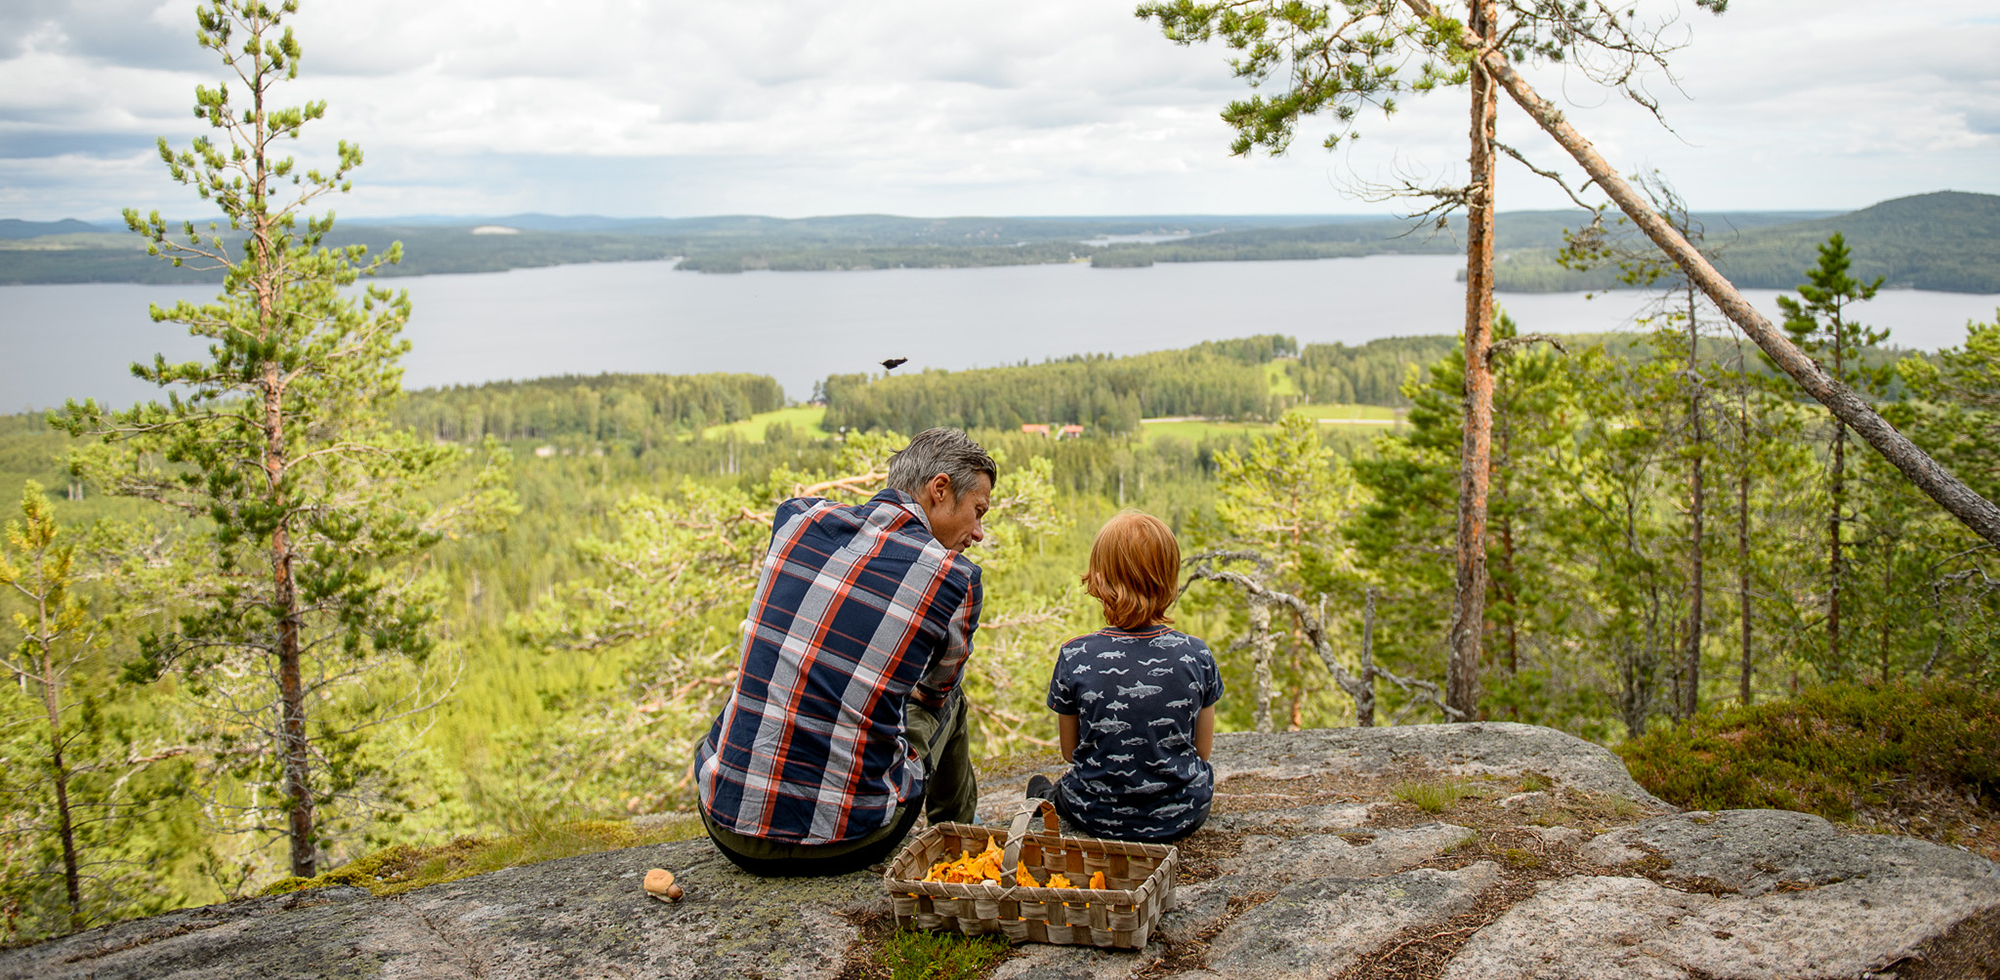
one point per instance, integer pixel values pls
(660, 885)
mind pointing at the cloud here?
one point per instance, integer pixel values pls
(814, 106)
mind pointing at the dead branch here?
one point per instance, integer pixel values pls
(1362, 689)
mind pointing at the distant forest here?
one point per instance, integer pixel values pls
(620, 408)
(1250, 379)
(1946, 241)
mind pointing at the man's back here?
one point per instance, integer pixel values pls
(859, 609)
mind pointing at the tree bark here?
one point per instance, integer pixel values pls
(1261, 644)
(295, 750)
(1691, 681)
(1963, 503)
(1743, 530)
(52, 701)
(1468, 614)
(1839, 495)
(1364, 703)
(1835, 559)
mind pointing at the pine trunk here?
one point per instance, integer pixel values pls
(1468, 614)
(1743, 540)
(295, 750)
(1839, 494)
(1364, 703)
(1691, 679)
(1834, 567)
(52, 701)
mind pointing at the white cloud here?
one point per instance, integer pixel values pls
(1039, 106)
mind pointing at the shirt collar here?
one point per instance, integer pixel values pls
(891, 495)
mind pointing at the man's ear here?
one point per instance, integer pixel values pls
(938, 488)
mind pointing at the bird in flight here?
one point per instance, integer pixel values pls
(893, 363)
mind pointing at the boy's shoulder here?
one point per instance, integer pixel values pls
(1116, 639)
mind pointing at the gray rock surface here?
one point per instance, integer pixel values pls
(1773, 894)
(1589, 927)
(1297, 883)
(1480, 748)
(1752, 852)
(1326, 855)
(576, 917)
(1329, 816)
(1317, 927)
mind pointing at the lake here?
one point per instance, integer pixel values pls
(66, 341)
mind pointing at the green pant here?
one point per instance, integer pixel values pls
(951, 794)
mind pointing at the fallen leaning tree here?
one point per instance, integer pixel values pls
(1961, 501)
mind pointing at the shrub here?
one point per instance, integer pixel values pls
(1831, 750)
(934, 956)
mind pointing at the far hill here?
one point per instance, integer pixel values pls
(52, 252)
(1948, 240)
(15, 228)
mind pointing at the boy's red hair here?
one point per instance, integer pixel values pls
(1135, 566)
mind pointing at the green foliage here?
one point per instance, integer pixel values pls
(1287, 493)
(917, 955)
(280, 448)
(78, 791)
(1336, 59)
(1371, 374)
(628, 409)
(1958, 419)
(543, 731)
(1832, 750)
(1404, 537)
(1817, 320)
(668, 590)
(1102, 393)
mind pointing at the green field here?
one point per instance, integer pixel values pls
(804, 419)
(1195, 430)
(1348, 413)
(1279, 379)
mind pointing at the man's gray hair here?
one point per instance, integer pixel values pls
(940, 450)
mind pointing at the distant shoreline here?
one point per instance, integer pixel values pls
(1947, 242)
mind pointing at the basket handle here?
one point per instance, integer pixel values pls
(1010, 859)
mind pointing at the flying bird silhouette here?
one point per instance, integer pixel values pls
(893, 363)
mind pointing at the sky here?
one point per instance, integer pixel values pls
(636, 108)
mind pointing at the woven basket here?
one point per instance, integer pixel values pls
(1139, 881)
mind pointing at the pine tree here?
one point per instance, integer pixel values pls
(1818, 323)
(76, 783)
(279, 442)
(57, 634)
(1340, 58)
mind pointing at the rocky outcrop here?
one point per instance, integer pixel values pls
(1542, 859)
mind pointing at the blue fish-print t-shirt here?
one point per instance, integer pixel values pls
(1135, 774)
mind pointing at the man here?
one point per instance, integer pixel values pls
(846, 719)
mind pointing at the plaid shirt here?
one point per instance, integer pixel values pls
(859, 610)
